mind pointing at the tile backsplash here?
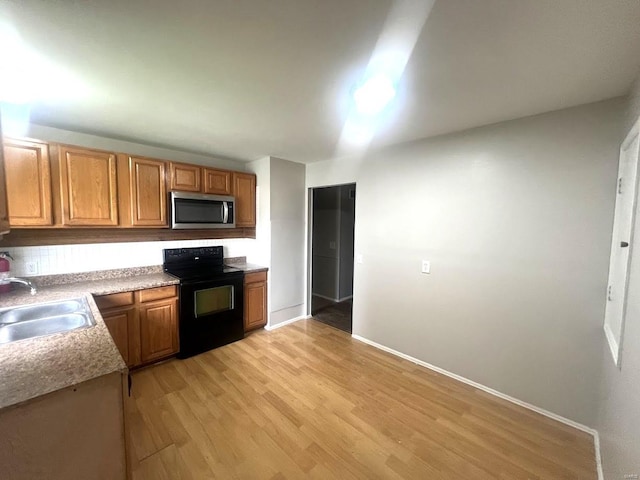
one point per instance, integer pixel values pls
(51, 260)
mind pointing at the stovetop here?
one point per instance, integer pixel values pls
(196, 263)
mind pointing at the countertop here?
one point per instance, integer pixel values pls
(34, 367)
(248, 267)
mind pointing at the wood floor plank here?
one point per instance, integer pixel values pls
(309, 401)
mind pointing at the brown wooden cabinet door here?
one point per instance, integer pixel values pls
(185, 178)
(4, 212)
(119, 323)
(158, 329)
(28, 177)
(255, 305)
(244, 190)
(148, 192)
(217, 181)
(88, 187)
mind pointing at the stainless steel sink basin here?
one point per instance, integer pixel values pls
(30, 321)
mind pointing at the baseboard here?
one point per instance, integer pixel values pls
(335, 300)
(286, 322)
(491, 391)
(596, 443)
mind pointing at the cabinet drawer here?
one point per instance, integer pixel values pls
(114, 300)
(255, 277)
(157, 293)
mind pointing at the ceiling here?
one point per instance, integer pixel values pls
(249, 78)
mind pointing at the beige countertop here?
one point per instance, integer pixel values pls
(248, 267)
(34, 367)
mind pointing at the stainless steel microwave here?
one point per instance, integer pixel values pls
(197, 210)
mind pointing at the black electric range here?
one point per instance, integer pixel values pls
(211, 298)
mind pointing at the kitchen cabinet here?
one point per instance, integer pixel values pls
(244, 191)
(118, 322)
(67, 194)
(76, 432)
(4, 212)
(143, 324)
(217, 181)
(185, 178)
(120, 315)
(88, 187)
(142, 192)
(28, 176)
(255, 300)
(193, 178)
(158, 330)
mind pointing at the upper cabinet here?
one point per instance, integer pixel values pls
(193, 178)
(142, 192)
(186, 178)
(217, 181)
(88, 186)
(71, 187)
(4, 213)
(244, 190)
(28, 176)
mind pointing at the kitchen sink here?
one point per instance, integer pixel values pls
(30, 321)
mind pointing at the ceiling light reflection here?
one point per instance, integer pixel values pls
(22, 77)
(374, 95)
(395, 44)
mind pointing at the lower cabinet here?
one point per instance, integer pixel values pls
(158, 330)
(118, 322)
(255, 300)
(76, 432)
(143, 324)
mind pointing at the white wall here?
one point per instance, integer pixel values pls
(51, 134)
(288, 227)
(633, 108)
(619, 413)
(58, 259)
(280, 234)
(516, 221)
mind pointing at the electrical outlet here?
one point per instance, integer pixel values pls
(32, 267)
(426, 266)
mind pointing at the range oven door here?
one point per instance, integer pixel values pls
(211, 313)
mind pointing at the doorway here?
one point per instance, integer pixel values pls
(332, 212)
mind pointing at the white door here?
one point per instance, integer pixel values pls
(621, 242)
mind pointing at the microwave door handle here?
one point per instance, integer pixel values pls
(225, 217)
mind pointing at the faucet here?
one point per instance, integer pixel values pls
(22, 281)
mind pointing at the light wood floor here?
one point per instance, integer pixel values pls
(308, 401)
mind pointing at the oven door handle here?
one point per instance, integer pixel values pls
(225, 215)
